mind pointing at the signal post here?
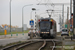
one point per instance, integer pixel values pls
(5, 31)
(32, 27)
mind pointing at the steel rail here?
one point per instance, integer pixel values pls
(43, 45)
(25, 45)
(6, 48)
(54, 45)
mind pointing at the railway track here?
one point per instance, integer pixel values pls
(34, 45)
(49, 45)
(13, 47)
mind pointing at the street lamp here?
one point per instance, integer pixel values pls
(32, 11)
(22, 14)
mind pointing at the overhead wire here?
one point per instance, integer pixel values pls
(48, 6)
(39, 1)
(47, 1)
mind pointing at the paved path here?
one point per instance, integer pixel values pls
(8, 39)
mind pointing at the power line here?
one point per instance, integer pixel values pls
(54, 4)
(39, 1)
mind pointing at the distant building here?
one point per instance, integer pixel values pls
(1, 29)
(25, 27)
(70, 22)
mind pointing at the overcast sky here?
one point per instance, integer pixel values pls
(16, 10)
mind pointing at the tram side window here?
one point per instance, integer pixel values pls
(39, 23)
(51, 25)
(55, 26)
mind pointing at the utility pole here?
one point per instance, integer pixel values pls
(60, 21)
(68, 18)
(23, 15)
(70, 13)
(73, 18)
(10, 18)
(63, 16)
(35, 20)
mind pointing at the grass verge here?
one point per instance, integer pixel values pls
(2, 33)
(11, 44)
(69, 47)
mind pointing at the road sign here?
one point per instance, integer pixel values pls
(5, 31)
(32, 27)
(70, 25)
(32, 22)
(5, 27)
(65, 25)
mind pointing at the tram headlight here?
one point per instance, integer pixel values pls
(47, 32)
(42, 32)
